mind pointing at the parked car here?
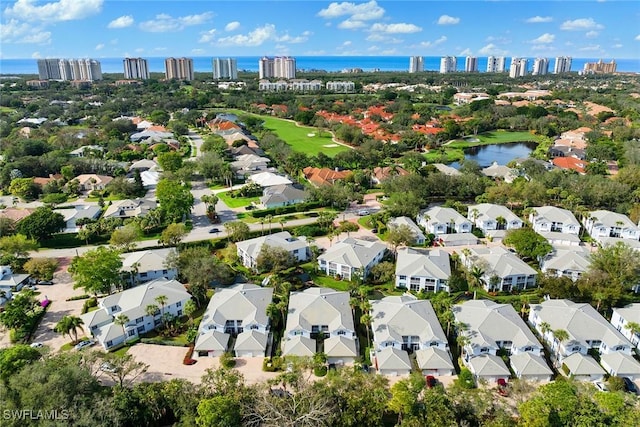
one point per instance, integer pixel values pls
(30, 287)
(83, 344)
(108, 367)
(45, 282)
(214, 230)
(431, 381)
(503, 387)
(629, 386)
(600, 386)
(36, 345)
(363, 212)
(374, 230)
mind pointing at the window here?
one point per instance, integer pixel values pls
(132, 332)
(109, 343)
(254, 327)
(179, 312)
(342, 333)
(139, 320)
(140, 329)
(143, 274)
(179, 304)
(164, 271)
(402, 277)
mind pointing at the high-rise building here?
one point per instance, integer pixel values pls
(178, 68)
(471, 64)
(416, 64)
(540, 67)
(448, 64)
(283, 67)
(495, 64)
(518, 67)
(225, 68)
(49, 69)
(600, 67)
(135, 68)
(562, 65)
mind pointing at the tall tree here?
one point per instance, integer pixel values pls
(173, 234)
(122, 320)
(124, 238)
(175, 199)
(97, 270)
(41, 224)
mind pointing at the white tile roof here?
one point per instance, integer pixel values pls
(319, 306)
(622, 364)
(281, 239)
(610, 219)
(353, 252)
(433, 358)
(246, 302)
(340, 346)
(147, 260)
(415, 263)
(554, 214)
(501, 262)
(299, 346)
(580, 364)
(488, 211)
(442, 215)
(391, 358)
(528, 364)
(251, 340)
(212, 341)
(488, 365)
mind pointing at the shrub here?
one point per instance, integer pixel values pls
(78, 297)
(465, 379)
(320, 371)
(272, 364)
(227, 360)
(89, 304)
(615, 384)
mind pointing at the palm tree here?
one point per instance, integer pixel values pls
(477, 274)
(63, 327)
(500, 222)
(262, 226)
(269, 219)
(122, 320)
(462, 341)
(634, 329)
(273, 312)
(162, 300)
(151, 310)
(282, 222)
(448, 318)
(560, 335)
(366, 319)
(75, 323)
(190, 308)
(475, 213)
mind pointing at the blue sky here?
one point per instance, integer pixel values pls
(119, 28)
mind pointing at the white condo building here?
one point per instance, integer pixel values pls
(471, 64)
(416, 64)
(562, 65)
(69, 69)
(178, 68)
(448, 64)
(518, 67)
(49, 69)
(135, 68)
(225, 68)
(540, 67)
(495, 64)
(279, 67)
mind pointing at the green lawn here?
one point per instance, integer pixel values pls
(236, 202)
(449, 155)
(495, 137)
(330, 282)
(298, 136)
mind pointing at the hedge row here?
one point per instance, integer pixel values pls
(300, 207)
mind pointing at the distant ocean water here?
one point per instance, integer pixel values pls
(306, 63)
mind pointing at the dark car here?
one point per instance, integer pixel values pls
(214, 230)
(45, 282)
(629, 386)
(374, 230)
(431, 381)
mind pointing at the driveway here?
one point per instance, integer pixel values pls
(58, 293)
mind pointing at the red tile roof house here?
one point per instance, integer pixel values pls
(324, 176)
(571, 163)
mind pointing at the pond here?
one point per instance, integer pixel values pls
(485, 155)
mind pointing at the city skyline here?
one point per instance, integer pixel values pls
(105, 28)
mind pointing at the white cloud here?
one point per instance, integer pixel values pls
(254, 38)
(36, 55)
(139, 50)
(347, 43)
(590, 48)
(581, 24)
(297, 39)
(448, 20)
(350, 24)
(164, 23)
(315, 52)
(466, 52)
(440, 40)
(400, 28)
(63, 10)
(100, 46)
(591, 34)
(539, 19)
(389, 52)
(232, 26)
(617, 46)
(14, 31)
(121, 22)
(637, 37)
(545, 38)
(492, 49)
(542, 47)
(207, 36)
(356, 12)
(197, 51)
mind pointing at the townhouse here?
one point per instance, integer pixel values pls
(249, 250)
(603, 224)
(408, 222)
(351, 258)
(566, 261)
(546, 219)
(427, 271)
(501, 269)
(143, 266)
(441, 220)
(493, 219)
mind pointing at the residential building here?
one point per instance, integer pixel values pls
(74, 213)
(135, 68)
(406, 221)
(619, 364)
(462, 98)
(448, 64)
(282, 195)
(382, 173)
(225, 68)
(324, 176)
(239, 311)
(471, 64)
(320, 315)
(409, 325)
(441, 220)
(421, 270)
(268, 179)
(582, 368)
(502, 269)
(393, 362)
(10, 281)
(277, 86)
(600, 67)
(87, 151)
(602, 224)
(518, 67)
(531, 367)
(489, 368)
(585, 327)
(562, 65)
(490, 217)
(561, 239)
(351, 257)
(457, 239)
(249, 250)
(540, 66)
(566, 261)
(340, 86)
(178, 68)
(49, 69)
(129, 208)
(571, 163)
(624, 320)
(416, 64)
(133, 303)
(495, 64)
(303, 85)
(500, 172)
(143, 266)
(92, 182)
(279, 67)
(86, 70)
(550, 218)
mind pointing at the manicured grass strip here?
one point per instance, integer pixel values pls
(449, 155)
(236, 202)
(495, 137)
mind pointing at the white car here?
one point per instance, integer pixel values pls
(363, 212)
(83, 344)
(36, 345)
(108, 367)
